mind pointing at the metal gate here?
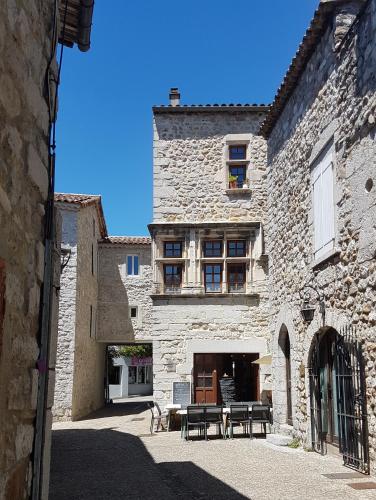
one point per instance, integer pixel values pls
(351, 400)
(352, 407)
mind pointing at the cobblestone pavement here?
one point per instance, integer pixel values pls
(111, 455)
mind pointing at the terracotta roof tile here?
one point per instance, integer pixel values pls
(127, 240)
(85, 200)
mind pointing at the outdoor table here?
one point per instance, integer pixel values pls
(226, 411)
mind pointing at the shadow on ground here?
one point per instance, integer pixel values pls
(103, 464)
(118, 410)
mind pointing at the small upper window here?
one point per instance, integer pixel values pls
(133, 312)
(172, 249)
(237, 152)
(132, 265)
(213, 249)
(237, 176)
(236, 248)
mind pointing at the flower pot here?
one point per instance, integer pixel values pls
(233, 184)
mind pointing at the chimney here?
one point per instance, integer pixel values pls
(174, 96)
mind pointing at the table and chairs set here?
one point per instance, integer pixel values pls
(224, 418)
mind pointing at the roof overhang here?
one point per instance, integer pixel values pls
(76, 29)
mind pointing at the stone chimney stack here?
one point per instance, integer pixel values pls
(174, 96)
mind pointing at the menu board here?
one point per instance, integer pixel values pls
(181, 393)
(228, 390)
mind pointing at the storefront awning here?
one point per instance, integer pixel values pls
(264, 360)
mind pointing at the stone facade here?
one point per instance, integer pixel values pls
(25, 49)
(332, 105)
(193, 203)
(80, 364)
(118, 292)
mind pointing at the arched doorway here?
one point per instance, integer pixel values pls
(284, 346)
(338, 397)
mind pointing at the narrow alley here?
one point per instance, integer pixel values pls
(111, 454)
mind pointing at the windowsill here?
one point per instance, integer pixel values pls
(239, 191)
(243, 161)
(161, 296)
(171, 259)
(326, 257)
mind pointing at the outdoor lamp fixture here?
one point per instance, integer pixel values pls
(65, 255)
(308, 310)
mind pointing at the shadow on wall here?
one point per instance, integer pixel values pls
(114, 323)
(107, 464)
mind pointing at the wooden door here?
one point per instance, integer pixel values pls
(205, 378)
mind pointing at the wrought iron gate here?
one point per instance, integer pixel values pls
(352, 408)
(351, 400)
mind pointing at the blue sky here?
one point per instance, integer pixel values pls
(214, 51)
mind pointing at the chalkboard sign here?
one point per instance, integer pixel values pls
(228, 390)
(181, 393)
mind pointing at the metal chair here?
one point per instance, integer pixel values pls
(214, 415)
(239, 415)
(196, 418)
(157, 416)
(260, 415)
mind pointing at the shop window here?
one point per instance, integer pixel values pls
(212, 248)
(114, 374)
(172, 249)
(213, 278)
(236, 248)
(140, 374)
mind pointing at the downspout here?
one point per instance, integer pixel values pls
(85, 22)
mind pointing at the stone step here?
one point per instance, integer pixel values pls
(278, 439)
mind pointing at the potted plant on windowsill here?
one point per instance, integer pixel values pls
(233, 181)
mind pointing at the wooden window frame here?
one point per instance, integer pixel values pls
(231, 146)
(244, 254)
(243, 283)
(212, 241)
(179, 266)
(165, 243)
(214, 274)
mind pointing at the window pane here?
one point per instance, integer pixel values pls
(132, 371)
(135, 265)
(209, 381)
(133, 312)
(173, 249)
(237, 152)
(129, 265)
(213, 249)
(148, 374)
(200, 381)
(239, 172)
(141, 376)
(236, 248)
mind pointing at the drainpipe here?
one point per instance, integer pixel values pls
(85, 22)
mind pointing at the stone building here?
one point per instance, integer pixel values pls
(79, 386)
(210, 314)
(321, 235)
(29, 32)
(104, 300)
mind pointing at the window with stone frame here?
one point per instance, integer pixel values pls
(237, 166)
(236, 277)
(172, 277)
(172, 249)
(213, 248)
(133, 265)
(213, 278)
(322, 176)
(236, 248)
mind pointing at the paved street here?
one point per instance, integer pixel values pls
(112, 456)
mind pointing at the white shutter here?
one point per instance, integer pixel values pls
(323, 205)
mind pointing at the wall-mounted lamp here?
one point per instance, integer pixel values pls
(65, 255)
(307, 310)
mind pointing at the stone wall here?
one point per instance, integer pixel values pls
(334, 100)
(62, 408)
(183, 326)
(190, 180)
(89, 359)
(80, 358)
(118, 292)
(25, 48)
